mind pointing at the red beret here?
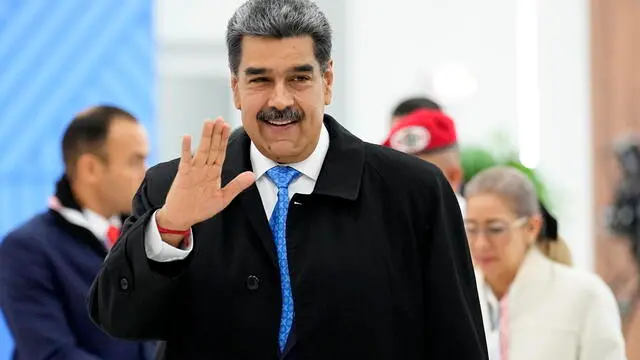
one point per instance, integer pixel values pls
(422, 131)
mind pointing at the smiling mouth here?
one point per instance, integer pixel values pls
(280, 122)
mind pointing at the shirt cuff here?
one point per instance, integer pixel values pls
(160, 251)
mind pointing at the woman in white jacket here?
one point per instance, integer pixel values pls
(533, 308)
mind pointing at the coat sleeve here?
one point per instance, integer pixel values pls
(454, 320)
(133, 297)
(32, 309)
(601, 337)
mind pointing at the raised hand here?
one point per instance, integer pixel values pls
(196, 193)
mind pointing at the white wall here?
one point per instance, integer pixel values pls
(566, 152)
(386, 50)
(193, 82)
(395, 46)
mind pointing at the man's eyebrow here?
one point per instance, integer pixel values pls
(252, 71)
(303, 68)
(255, 71)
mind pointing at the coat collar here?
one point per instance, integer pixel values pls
(64, 194)
(340, 175)
(68, 214)
(528, 287)
(65, 198)
(85, 225)
(341, 172)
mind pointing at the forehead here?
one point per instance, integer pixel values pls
(274, 54)
(487, 206)
(126, 135)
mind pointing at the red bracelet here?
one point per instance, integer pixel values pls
(184, 233)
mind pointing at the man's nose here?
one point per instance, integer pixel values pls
(281, 98)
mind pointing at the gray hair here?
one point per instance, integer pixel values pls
(279, 19)
(508, 183)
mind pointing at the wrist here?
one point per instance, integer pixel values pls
(172, 233)
(168, 223)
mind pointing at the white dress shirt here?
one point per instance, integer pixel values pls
(88, 219)
(158, 250)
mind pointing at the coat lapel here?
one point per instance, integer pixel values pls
(528, 287)
(255, 211)
(340, 176)
(237, 162)
(531, 283)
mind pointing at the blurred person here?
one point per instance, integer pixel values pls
(407, 106)
(291, 239)
(533, 308)
(48, 264)
(431, 136)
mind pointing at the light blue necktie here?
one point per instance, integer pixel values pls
(282, 176)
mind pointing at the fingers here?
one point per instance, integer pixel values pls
(205, 144)
(218, 134)
(236, 186)
(186, 149)
(222, 147)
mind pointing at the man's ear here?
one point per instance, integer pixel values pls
(234, 89)
(327, 78)
(88, 168)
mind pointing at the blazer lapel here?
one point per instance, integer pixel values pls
(237, 162)
(530, 284)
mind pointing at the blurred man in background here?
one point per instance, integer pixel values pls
(410, 105)
(430, 135)
(48, 264)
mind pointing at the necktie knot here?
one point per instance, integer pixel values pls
(282, 176)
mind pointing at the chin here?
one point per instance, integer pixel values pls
(283, 152)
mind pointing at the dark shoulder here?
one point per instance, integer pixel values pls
(158, 180)
(29, 237)
(162, 174)
(399, 170)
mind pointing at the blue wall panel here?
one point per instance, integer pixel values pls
(56, 58)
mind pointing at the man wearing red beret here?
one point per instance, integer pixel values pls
(430, 135)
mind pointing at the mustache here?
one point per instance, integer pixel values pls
(287, 114)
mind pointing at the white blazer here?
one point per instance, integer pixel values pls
(557, 313)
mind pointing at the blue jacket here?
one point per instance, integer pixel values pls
(46, 268)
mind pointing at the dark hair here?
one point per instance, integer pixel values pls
(88, 132)
(408, 106)
(279, 19)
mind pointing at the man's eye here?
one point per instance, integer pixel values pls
(301, 78)
(258, 80)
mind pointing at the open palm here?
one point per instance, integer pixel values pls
(197, 193)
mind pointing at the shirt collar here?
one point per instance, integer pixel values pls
(97, 224)
(309, 167)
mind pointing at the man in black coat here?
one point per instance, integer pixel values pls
(291, 239)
